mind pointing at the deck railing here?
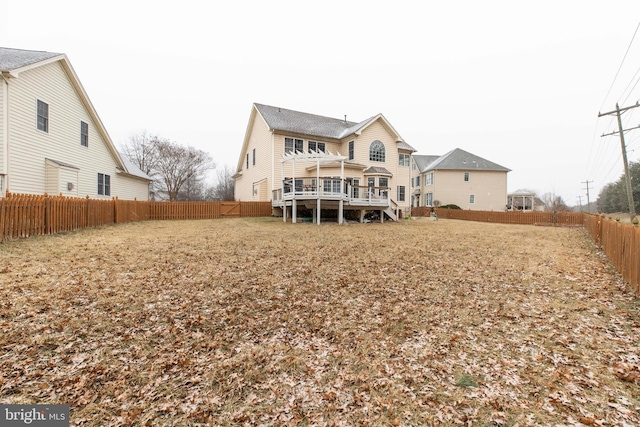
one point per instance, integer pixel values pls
(331, 189)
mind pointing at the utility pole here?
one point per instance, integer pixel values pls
(617, 112)
(580, 202)
(588, 202)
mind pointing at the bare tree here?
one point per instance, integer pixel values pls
(169, 164)
(177, 164)
(223, 189)
(140, 150)
(194, 190)
(554, 203)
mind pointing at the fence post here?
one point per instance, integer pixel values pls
(115, 210)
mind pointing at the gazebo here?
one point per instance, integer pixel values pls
(521, 200)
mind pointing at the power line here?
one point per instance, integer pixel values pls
(618, 111)
(620, 67)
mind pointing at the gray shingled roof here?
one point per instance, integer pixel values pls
(286, 120)
(377, 170)
(11, 59)
(132, 168)
(404, 146)
(423, 161)
(459, 160)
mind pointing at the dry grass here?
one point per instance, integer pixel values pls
(256, 322)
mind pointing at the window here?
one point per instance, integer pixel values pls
(293, 145)
(247, 160)
(403, 159)
(352, 150)
(418, 181)
(104, 184)
(466, 177)
(356, 190)
(331, 185)
(428, 199)
(428, 179)
(84, 134)
(472, 199)
(376, 151)
(401, 193)
(254, 157)
(316, 146)
(412, 183)
(383, 183)
(43, 116)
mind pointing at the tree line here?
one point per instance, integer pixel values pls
(613, 196)
(178, 172)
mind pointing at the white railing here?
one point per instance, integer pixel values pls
(331, 189)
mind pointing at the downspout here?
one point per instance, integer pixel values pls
(5, 136)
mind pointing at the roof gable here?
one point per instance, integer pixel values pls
(15, 61)
(458, 159)
(284, 120)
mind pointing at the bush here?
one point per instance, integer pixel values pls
(452, 206)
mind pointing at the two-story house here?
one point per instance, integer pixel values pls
(459, 178)
(301, 161)
(51, 138)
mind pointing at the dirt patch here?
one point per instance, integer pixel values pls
(256, 322)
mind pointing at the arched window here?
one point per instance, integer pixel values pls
(376, 151)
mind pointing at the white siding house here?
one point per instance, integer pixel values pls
(302, 161)
(51, 138)
(459, 178)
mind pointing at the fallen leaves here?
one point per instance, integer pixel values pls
(256, 322)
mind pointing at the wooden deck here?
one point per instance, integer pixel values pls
(332, 193)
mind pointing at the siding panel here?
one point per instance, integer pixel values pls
(30, 146)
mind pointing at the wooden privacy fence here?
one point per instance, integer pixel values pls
(620, 243)
(514, 217)
(31, 215)
(23, 215)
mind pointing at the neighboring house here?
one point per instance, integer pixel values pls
(302, 161)
(51, 138)
(459, 178)
(524, 200)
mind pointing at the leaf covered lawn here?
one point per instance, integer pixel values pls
(257, 322)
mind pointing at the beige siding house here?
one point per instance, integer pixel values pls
(459, 178)
(51, 138)
(310, 164)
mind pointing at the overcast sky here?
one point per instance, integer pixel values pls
(517, 83)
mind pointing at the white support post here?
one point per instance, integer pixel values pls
(341, 207)
(294, 203)
(318, 190)
(381, 216)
